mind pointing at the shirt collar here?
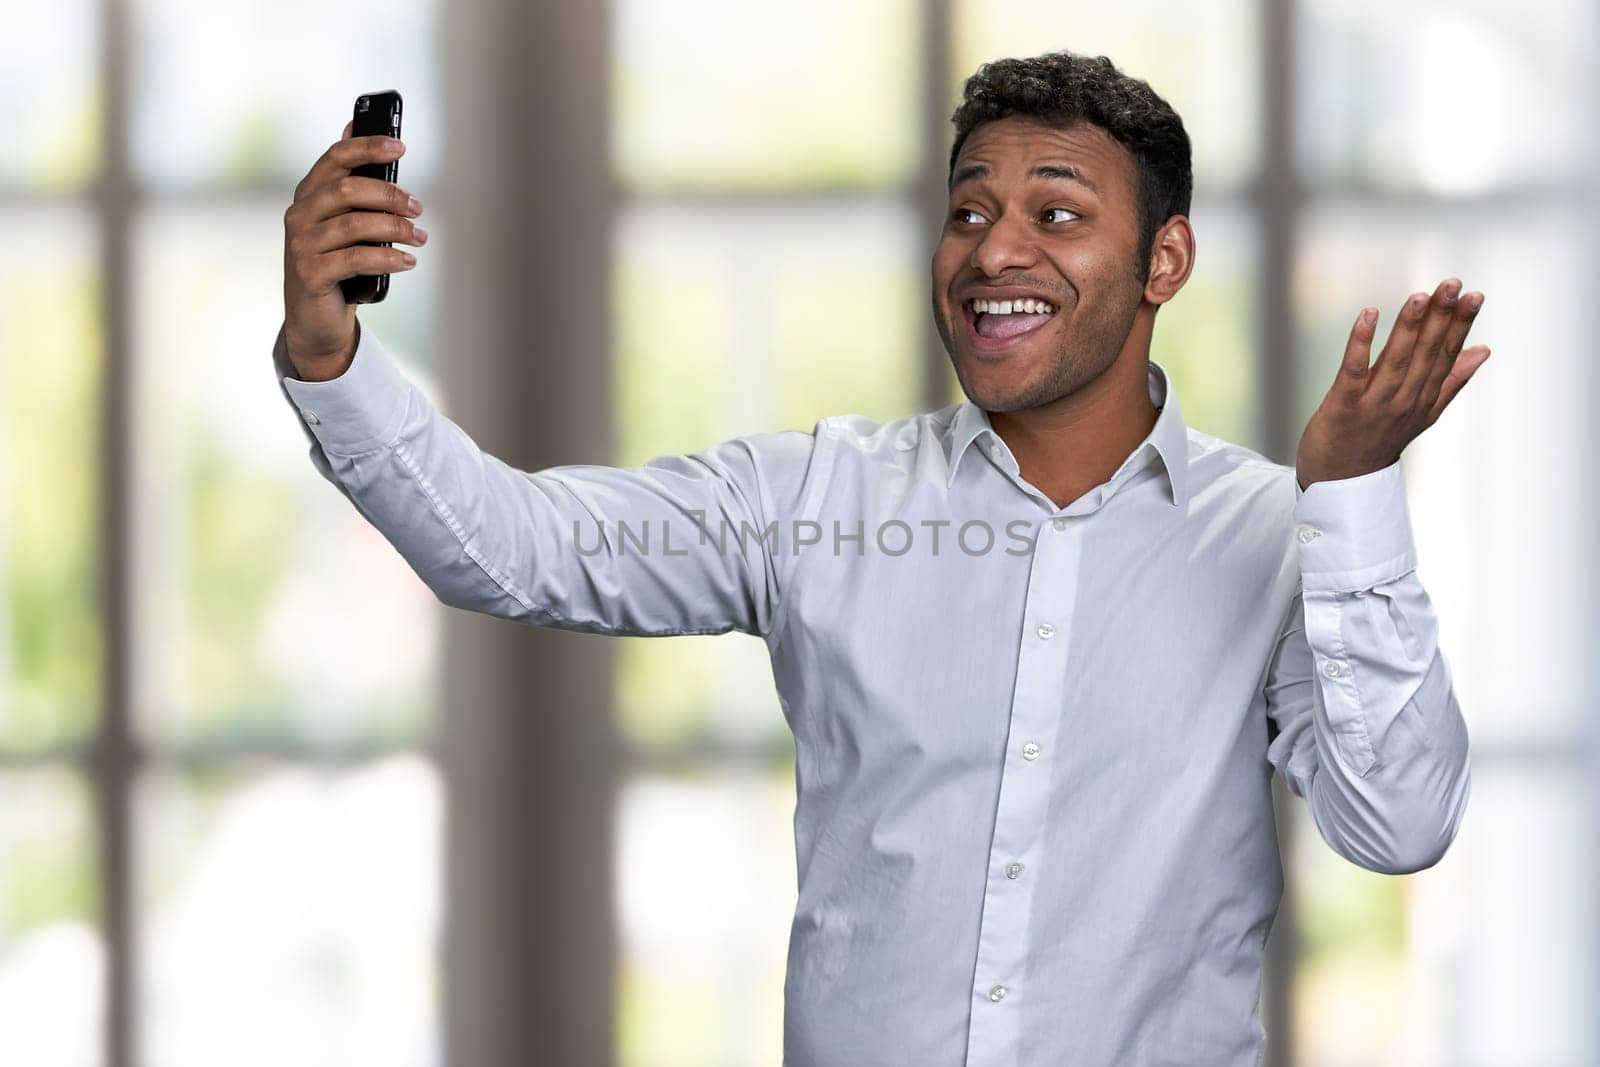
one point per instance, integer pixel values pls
(1169, 437)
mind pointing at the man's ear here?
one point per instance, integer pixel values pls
(1171, 260)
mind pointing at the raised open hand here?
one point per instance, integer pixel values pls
(1372, 412)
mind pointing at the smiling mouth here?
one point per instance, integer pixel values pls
(992, 332)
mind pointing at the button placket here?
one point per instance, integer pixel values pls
(1036, 711)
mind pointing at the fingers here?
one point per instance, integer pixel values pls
(1422, 365)
(1429, 349)
(354, 192)
(344, 155)
(1462, 368)
(1358, 350)
(353, 227)
(340, 222)
(1390, 369)
(1428, 385)
(328, 269)
(1416, 338)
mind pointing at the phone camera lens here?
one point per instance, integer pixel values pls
(363, 104)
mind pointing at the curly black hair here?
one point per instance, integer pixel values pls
(1064, 89)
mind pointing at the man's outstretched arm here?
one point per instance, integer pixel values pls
(1369, 730)
(683, 544)
(601, 549)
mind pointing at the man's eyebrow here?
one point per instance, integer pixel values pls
(1044, 171)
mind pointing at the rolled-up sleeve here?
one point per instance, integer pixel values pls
(683, 544)
(1368, 727)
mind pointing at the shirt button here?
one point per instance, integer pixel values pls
(311, 417)
(1059, 523)
(1309, 534)
(998, 993)
(1046, 631)
(1332, 668)
(1030, 751)
(1013, 869)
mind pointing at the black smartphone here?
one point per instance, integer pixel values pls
(376, 113)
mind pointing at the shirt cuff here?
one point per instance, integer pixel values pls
(1354, 533)
(360, 410)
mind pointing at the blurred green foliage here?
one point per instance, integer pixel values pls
(50, 344)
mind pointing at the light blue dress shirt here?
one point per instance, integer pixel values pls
(1033, 821)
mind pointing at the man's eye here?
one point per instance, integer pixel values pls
(960, 211)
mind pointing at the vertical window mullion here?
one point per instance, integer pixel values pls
(938, 24)
(1278, 206)
(114, 765)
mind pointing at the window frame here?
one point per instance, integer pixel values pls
(1279, 200)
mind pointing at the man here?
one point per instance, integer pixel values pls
(1040, 651)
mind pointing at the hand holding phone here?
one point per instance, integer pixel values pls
(341, 227)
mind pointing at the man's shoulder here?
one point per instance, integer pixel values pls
(868, 435)
(1236, 472)
(793, 455)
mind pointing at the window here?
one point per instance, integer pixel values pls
(1390, 146)
(766, 192)
(1437, 139)
(770, 166)
(219, 811)
(766, 196)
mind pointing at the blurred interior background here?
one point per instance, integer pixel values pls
(263, 801)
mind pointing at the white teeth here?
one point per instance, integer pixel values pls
(1007, 307)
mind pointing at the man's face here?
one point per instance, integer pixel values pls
(1055, 238)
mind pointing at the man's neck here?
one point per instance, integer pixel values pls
(1069, 446)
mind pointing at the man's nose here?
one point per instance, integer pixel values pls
(1006, 244)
